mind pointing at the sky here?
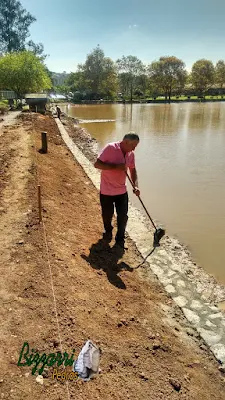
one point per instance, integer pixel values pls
(147, 29)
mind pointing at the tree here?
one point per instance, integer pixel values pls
(167, 75)
(98, 74)
(124, 83)
(133, 67)
(202, 75)
(23, 72)
(14, 25)
(37, 49)
(220, 73)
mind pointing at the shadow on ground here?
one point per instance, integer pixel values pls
(105, 258)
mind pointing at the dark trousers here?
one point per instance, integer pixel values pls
(121, 204)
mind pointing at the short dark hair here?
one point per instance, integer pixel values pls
(131, 136)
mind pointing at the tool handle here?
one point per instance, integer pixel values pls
(142, 203)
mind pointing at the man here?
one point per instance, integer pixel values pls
(113, 162)
(58, 111)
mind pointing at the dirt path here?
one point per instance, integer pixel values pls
(56, 297)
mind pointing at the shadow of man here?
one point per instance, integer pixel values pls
(103, 257)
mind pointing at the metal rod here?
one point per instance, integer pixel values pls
(149, 216)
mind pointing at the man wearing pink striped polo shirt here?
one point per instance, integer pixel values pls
(113, 162)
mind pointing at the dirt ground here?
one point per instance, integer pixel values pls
(61, 285)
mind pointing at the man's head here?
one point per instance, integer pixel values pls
(129, 142)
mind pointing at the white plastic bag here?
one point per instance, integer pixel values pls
(87, 363)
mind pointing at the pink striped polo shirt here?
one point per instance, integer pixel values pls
(113, 182)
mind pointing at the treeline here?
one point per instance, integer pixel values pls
(22, 68)
(101, 77)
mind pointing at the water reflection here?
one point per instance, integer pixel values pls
(181, 167)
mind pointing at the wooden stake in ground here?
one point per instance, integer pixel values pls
(44, 148)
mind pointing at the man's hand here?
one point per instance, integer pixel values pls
(136, 191)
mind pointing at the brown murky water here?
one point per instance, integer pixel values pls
(181, 168)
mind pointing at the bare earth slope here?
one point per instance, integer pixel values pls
(60, 285)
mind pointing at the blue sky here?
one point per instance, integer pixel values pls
(70, 29)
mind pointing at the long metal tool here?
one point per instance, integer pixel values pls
(159, 232)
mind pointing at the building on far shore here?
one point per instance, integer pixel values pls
(59, 78)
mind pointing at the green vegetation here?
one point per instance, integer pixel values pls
(167, 75)
(128, 79)
(131, 68)
(23, 72)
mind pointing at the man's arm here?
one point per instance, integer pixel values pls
(134, 178)
(108, 166)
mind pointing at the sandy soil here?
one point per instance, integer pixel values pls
(61, 284)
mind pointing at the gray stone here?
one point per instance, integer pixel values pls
(196, 304)
(170, 289)
(219, 351)
(157, 270)
(210, 324)
(210, 337)
(191, 316)
(181, 283)
(181, 301)
(216, 315)
(171, 274)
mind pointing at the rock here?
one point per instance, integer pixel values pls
(143, 376)
(45, 373)
(55, 343)
(156, 346)
(176, 385)
(151, 336)
(136, 355)
(222, 368)
(40, 379)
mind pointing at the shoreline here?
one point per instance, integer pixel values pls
(160, 101)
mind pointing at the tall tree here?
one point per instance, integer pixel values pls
(202, 75)
(37, 49)
(220, 73)
(133, 67)
(99, 74)
(167, 75)
(124, 83)
(14, 25)
(23, 72)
